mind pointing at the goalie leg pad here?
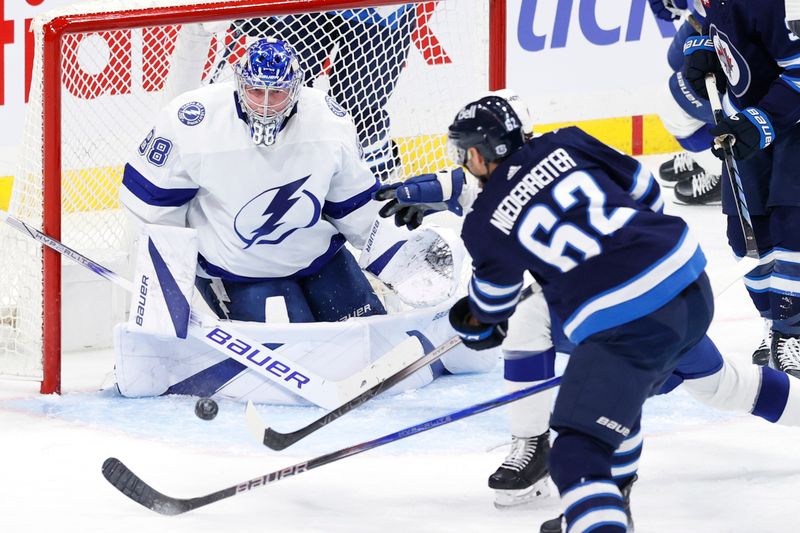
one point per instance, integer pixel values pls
(163, 280)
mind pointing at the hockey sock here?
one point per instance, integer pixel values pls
(596, 506)
(625, 461)
(581, 468)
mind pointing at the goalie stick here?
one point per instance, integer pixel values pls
(225, 339)
(734, 178)
(280, 441)
(132, 486)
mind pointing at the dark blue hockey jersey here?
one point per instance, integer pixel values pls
(587, 222)
(760, 56)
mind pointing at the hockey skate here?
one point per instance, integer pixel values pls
(785, 354)
(761, 355)
(559, 524)
(523, 476)
(701, 189)
(679, 168)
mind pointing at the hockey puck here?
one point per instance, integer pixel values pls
(206, 408)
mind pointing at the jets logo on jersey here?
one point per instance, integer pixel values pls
(192, 113)
(736, 68)
(276, 213)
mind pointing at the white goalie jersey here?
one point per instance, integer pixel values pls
(261, 212)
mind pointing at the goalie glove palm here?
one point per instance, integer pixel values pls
(478, 336)
(410, 201)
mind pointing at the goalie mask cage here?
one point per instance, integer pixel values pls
(102, 70)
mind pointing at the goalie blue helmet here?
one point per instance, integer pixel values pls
(268, 82)
(490, 125)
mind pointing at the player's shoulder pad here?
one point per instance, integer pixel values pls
(323, 104)
(191, 109)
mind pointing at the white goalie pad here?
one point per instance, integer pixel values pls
(163, 281)
(424, 269)
(149, 366)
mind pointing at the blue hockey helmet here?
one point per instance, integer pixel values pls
(268, 82)
(490, 125)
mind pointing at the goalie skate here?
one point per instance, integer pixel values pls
(523, 476)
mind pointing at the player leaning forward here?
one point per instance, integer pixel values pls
(627, 282)
(270, 176)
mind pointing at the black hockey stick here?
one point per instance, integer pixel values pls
(280, 441)
(734, 178)
(128, 483)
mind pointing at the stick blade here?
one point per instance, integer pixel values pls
(129, 484)
(255, 424)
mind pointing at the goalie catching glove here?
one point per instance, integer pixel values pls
(410, 201)
(475, 334)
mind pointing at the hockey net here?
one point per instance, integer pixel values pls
(102, 70)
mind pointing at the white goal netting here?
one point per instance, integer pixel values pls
(402, 72)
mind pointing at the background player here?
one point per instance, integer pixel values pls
(759, 72)
(355, 55)
(686, 116)
(349, 43)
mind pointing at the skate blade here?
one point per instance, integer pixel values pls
(714, 203)
(514, 499)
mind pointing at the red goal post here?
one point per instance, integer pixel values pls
(103, 68)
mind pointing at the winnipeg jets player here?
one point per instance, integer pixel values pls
(528, 352)
(685, 115)
(269, 173)
(552, 181)
(756, 61)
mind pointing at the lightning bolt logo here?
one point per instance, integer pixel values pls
(272, 221)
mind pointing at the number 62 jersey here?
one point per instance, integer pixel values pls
(587, 221)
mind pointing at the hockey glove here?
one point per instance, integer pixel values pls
(700, 58)
(475, 334)
(668, 9)
(751, 130)
(410, 201)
